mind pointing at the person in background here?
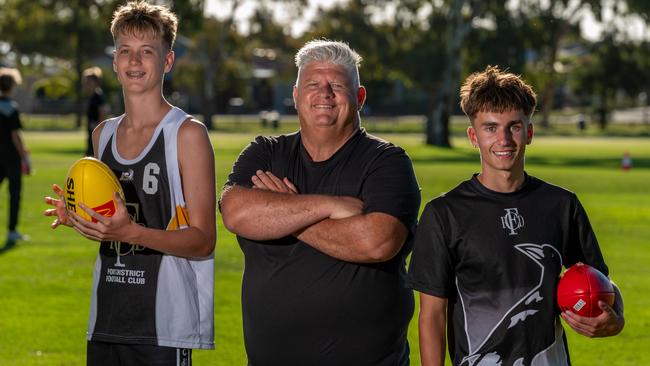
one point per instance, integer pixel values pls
(97, 109)
(15, 157)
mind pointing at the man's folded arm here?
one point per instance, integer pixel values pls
(265, 215)
(369, 238)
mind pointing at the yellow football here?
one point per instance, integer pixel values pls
(92, 183)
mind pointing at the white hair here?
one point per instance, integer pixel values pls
(334, 52)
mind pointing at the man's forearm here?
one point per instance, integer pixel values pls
(264, 215)
(370, 238)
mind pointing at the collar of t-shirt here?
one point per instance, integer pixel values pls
(529, 184)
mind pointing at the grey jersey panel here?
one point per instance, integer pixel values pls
(181, 304)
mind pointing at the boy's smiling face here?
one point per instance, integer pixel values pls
(140, 62)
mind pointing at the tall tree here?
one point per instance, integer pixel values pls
(216, 43)
(422, 44)
(211, 48)
(190, 15)
(458, 27)
(612, 67)
(350, 22)
(554, 21)
(75, 30)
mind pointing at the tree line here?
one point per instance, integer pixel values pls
(415, 51)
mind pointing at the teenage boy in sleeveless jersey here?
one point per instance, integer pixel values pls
(324, 217)
(152, 297)
(488, 254)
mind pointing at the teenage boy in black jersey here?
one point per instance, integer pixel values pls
(488, 254)
(324, 217)
(152, 298)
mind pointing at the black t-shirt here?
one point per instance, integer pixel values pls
(497, 258)
(303, 307)
(9, 121)
(96, 101)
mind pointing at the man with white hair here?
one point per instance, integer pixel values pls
(325, 218)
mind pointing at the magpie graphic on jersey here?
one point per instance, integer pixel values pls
(520, 318)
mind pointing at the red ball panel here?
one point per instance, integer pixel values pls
(580, 289)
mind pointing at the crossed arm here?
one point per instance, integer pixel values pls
(196, 160)
(334, 225)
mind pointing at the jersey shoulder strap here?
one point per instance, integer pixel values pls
(110, 126)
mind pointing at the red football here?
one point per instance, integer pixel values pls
(580, 288)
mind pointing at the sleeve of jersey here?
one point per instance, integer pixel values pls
(431, 269)
(583, 245)
(391, 188)
(257, 155)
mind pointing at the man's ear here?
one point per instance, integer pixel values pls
(529, 134)
(295, 97)
(361, 97)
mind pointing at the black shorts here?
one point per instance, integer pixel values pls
(115, 354)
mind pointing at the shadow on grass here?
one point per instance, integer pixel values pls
(75, 151)
(9, 245)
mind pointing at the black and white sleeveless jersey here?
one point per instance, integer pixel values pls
(141, 296)
(497, 258)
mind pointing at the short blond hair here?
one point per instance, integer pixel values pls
(493, 90)
(140, 18)
(94, 73)
(9, 77)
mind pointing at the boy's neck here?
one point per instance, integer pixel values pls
(145, 109)
(502, 181)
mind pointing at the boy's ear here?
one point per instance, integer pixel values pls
(471, 135)
(169, 61)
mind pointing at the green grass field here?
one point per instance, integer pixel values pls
(45, 283)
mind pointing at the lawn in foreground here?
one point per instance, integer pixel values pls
(45, 283)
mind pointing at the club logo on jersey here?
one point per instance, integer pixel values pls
(122, 249)
(126, 176)
(512, 220)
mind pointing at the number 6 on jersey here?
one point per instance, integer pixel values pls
(150, 179)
